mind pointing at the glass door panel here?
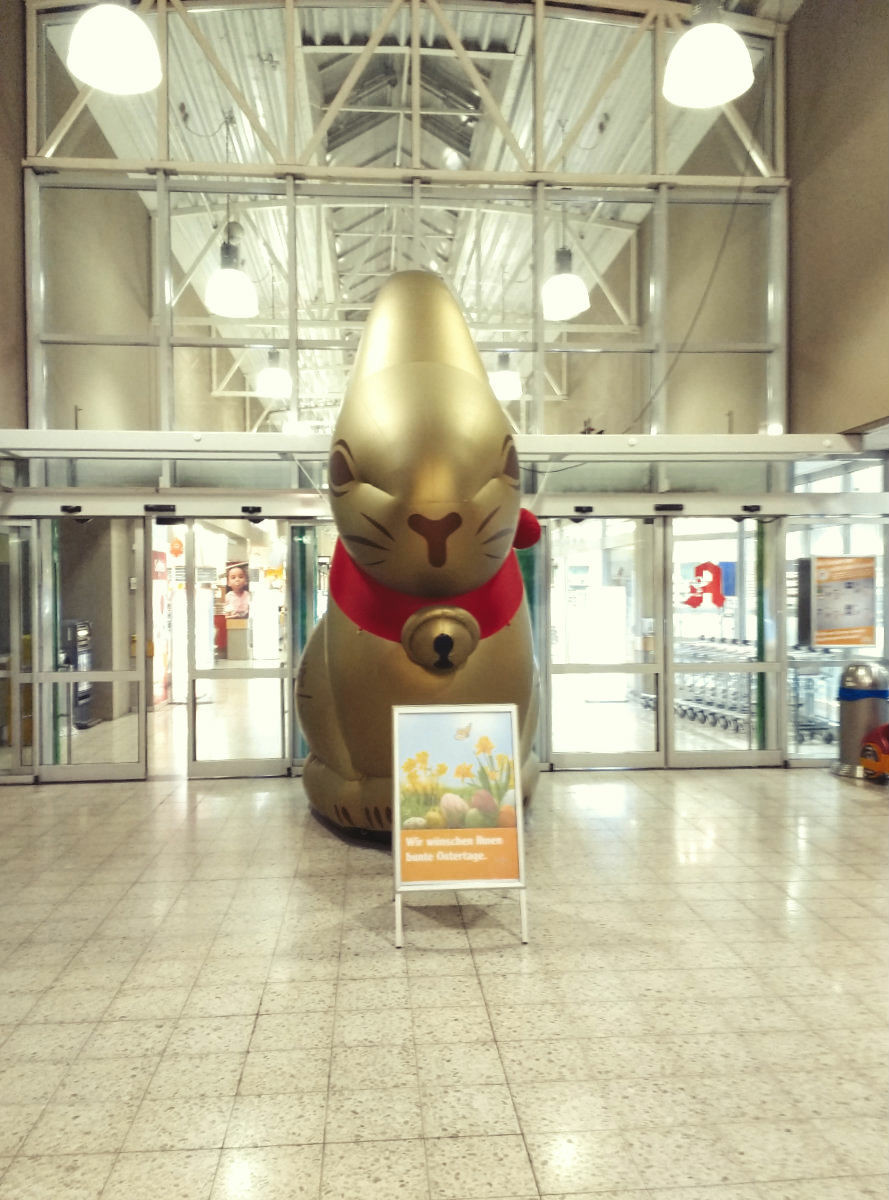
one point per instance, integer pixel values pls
(814, 670)
(722, 648)
(81, 738)
(605, 629)
(91, 682)
(260, 708)
(234, 631)
(605, 713)
(311, 549)
(16, 688)
(720, 710)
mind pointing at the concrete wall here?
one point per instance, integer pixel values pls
(716, 292)
(838, 133)
(607, 391)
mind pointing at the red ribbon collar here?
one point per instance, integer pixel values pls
(383, 611)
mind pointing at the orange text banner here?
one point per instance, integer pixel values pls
(458, 855)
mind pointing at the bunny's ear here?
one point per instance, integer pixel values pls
(416, 319)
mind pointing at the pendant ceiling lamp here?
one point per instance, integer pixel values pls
(112, 49)
(506, 383)
(230, 291)
(709, 64)
(274, 381)
(564, 294)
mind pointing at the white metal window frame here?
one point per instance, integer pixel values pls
(294, 172)
(297, 151)
(537, 340)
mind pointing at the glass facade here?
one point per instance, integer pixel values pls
(321, 149)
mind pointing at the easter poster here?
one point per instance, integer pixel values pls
(456, 807)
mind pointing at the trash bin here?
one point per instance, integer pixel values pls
(864, 703)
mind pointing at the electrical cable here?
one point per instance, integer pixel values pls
(760, 113)
(228, 118)
(756, 130)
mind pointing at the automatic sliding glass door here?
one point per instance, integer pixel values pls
(606, 621)
(722, 648)
(91, 670)
(663, 643)
(230, 647)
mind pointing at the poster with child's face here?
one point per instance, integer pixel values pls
(455, 805)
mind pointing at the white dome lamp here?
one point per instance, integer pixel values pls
(506, 383)
(112, 49)
(274, 382)
(710, 64)
(564, 294)
(230, 291)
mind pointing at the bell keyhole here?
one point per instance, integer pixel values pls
(443, 645)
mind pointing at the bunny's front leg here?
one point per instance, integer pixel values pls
(336, 789)
(328, 768)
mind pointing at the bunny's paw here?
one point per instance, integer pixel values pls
(364, 803)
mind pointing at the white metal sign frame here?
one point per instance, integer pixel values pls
(463, 832)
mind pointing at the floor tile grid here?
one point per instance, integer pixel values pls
(878, 1091)
(347, 968)
(157, 1028)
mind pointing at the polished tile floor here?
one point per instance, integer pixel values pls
(200, 997)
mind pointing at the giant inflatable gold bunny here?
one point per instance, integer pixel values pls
(426, 601)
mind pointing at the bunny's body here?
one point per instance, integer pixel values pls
(426, 600)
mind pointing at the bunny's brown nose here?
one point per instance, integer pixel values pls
(436, 534)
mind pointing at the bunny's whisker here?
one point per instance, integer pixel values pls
(491, 514)
(382, 528)
(501, 533)
(362, 541)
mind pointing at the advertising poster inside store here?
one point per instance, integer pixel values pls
(457, 818)
(455, 804)
(844, 601)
